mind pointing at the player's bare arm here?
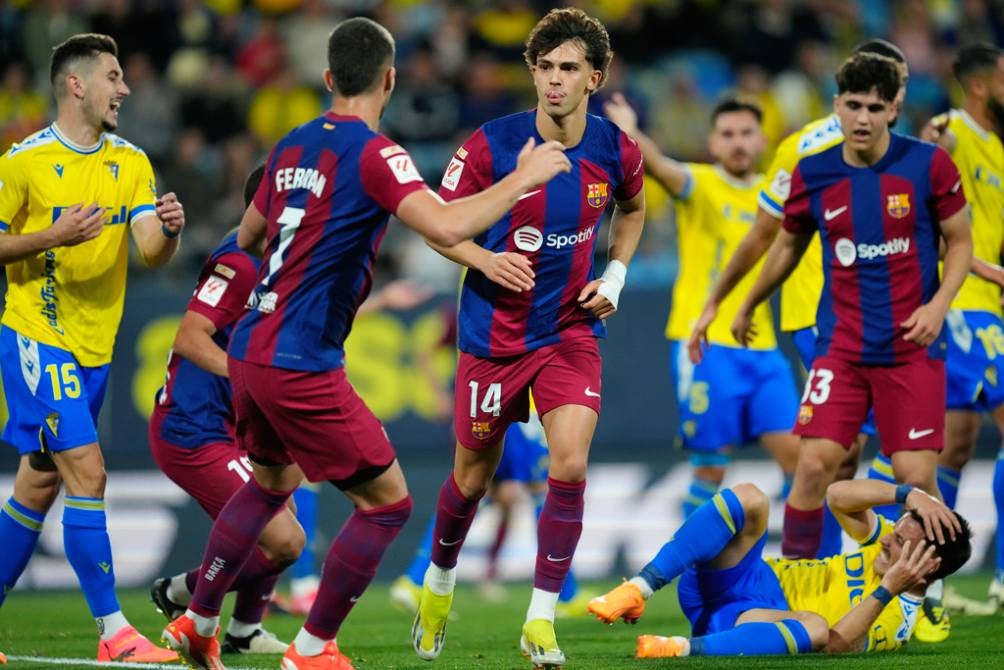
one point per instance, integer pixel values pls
(668, 172)
(399, 294)
(782, 258)
(509, 269)
(194, 342)
(924, 325)
(251, 231)
(851, 502)
(449, 224)
(907, 574)
(157, 237)
(744, 259)
(601, 295)
(76, 225)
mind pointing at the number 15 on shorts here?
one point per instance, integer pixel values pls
(817, 386)
(491, 401)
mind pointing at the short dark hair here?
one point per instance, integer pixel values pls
(251, 184)
(83, 45)
(570, 24)
(880, 47)
(864, 71)
(953, 553)
(730, 105)
(358, 51)
(973, 59)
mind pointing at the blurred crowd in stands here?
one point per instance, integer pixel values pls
(216, 83)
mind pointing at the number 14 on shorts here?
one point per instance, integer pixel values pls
(491, 401)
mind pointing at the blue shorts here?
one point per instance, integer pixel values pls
(805, 342)
(733, 396)
(52, 401)
(975, 362)
(712, 600)
(524, 454)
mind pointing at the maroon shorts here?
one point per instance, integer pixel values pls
(492, 393)
(313, 419)
(909, 403)
(210, 473)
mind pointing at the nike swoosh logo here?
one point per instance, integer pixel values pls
(354, 599)
(450, 544)
(831, 214)
(917, 434)
(591, 393)
(557, 560)
(527, 195)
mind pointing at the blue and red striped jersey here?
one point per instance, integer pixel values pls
(328, 191)
(194, 405)
(880, 229)
(555, 226)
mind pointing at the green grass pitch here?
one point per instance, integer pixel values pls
(57, 625)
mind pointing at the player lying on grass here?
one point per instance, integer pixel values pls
(738, 602)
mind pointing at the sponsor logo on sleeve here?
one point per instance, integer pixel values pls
(461, 153)
(212, 291)
(225, 271)
(451, 178)
(404, 169)
(392, 150)
(781, 185)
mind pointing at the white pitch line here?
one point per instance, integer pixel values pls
(104, 664)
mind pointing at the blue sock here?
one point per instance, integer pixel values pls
(85, 539)
(420, 562)
(948, 484)
(569, 589)
(305, 498)
(999, 503)
(786, 486)
(700, 492)
(701, 537)
(881, 469)
(832, 539)
(755, 639)
(19, 531)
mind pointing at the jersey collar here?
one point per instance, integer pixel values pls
(971, 122)
(73, 146)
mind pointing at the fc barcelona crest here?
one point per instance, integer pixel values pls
(596, 194)
(480, 429)
(898, 205)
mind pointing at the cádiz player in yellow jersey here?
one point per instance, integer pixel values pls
(734, 395)
(737, 602)
(975, 362)
(70, 195)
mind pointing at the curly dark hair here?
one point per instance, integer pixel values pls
(864, 71)
(570, 24)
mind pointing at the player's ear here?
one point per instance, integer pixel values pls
(329, 80)
(389, 79)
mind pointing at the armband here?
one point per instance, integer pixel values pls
(902, 491)
(882, 595)
(613, 281)
(168, 233)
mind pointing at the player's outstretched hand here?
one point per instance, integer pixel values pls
(404, 294)
(542, 163)
(924, 325)
(936, 516)
(698, 342)
(171, 213)
(78, 224)
(510, 270)
(591, 299)
(936, 131)
(620, 112)
(742, 328)
(912, 568)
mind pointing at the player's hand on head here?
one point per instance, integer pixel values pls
(698, 342)
(620, 112)
(916, 562)
(78, 224)
(510, 270)
(170, 212)
(543, 162)
(591, 298)
(924, 325)
(938, 520)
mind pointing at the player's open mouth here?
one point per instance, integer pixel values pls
(861, 134)
(555, 97)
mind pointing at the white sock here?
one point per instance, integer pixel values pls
(646, 590)
(542, 604)
(307, 644)
(241, 629)
(302, 586)
(177, 590)
(936, 591)
(685, 641)
(110, 624)
(206, 626)
(440, 580)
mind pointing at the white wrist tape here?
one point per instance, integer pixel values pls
(613, 281)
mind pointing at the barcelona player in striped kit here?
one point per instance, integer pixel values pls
(329, 188)
(542, 335)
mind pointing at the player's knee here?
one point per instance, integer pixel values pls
(755, 503)
(812, 473)
(37, 490)
(285, 549)
(569, 467)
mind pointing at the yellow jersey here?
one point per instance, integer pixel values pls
(71, 297)
(713, 215)
(800, 293)
(979, 155)
(831, 587)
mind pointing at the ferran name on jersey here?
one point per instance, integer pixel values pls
(597, 194)
(898, 205)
